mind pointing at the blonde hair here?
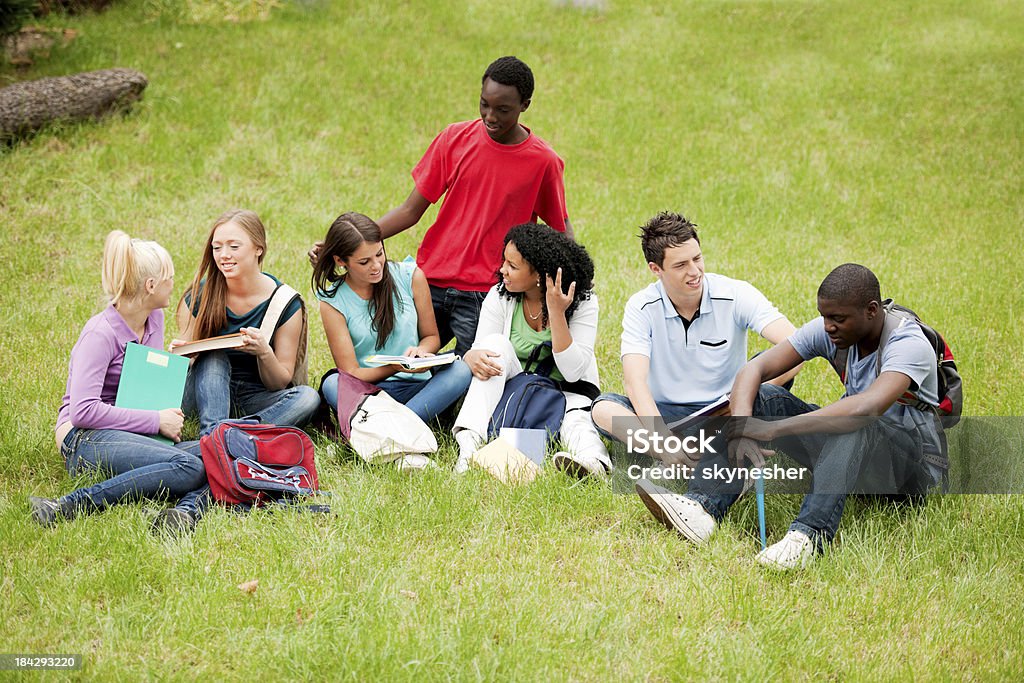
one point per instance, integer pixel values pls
(211, 314)
(128, 263)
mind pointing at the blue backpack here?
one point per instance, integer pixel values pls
(531, 400)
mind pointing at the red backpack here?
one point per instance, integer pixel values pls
(248, 462)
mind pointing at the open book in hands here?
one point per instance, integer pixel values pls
(227, 341)
(717, 408)
(412, 362)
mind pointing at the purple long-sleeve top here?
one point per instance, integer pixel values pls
(95, 370)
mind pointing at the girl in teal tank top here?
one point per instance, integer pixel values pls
(372, 306)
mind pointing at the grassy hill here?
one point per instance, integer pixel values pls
(798, 135)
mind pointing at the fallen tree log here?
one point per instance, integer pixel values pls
(28, 106)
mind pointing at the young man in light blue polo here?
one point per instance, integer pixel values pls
(684, 337)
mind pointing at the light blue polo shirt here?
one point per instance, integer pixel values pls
(699, 364)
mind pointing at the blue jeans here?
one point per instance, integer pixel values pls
(881, 456)
(215, 396)
(669, 411)
(142, 467)
(457, 313)
(427, 399)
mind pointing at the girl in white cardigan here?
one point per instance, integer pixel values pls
(545, 294)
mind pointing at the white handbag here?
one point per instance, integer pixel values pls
(376, 426)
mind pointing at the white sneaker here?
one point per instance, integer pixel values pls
(579, 466)
(469, 441)
(414, 462)
(794, 550)
(676, 512)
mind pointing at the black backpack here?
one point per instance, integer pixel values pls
(951, 391)
(531, 399)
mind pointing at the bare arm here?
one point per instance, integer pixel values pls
(857, 409)
(430, 340)
(776, 361)
(403, 216)
(847, 414)
(635, 370)
(342, 349)
(276, 364)
(777, 332)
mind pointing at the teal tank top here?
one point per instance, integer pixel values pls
(360, 323)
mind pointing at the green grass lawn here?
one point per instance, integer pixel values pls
(798, 135)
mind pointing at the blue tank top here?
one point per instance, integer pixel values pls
(356, 310)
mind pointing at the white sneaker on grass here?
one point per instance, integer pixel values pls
(469, 441)
(794, 550)
(679, 513)
(579, 466)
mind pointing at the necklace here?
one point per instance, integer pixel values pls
(531, 315)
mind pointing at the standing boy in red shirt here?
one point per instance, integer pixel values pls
(494, 173)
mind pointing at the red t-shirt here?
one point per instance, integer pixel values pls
(488, 188)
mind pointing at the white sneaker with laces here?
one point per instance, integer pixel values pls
(679, 513)
(579, 466)
(794, 550)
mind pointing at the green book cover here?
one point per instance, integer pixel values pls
(151, 379)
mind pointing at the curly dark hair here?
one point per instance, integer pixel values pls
(547, 250)
(511, 71)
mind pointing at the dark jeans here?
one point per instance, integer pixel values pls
(670, 412)
(142, 467)
(211, 392)
(457, 313)
(879, 458)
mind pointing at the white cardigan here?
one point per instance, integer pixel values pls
(577, 362)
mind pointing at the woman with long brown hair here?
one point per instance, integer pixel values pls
(372, 306)
(229, 294)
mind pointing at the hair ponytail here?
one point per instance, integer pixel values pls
(128, 263)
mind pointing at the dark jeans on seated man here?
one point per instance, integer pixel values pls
(457, 313)
(882, 457)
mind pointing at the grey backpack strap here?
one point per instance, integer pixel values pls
(893, 321)
(279, 300)
(839, 362)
